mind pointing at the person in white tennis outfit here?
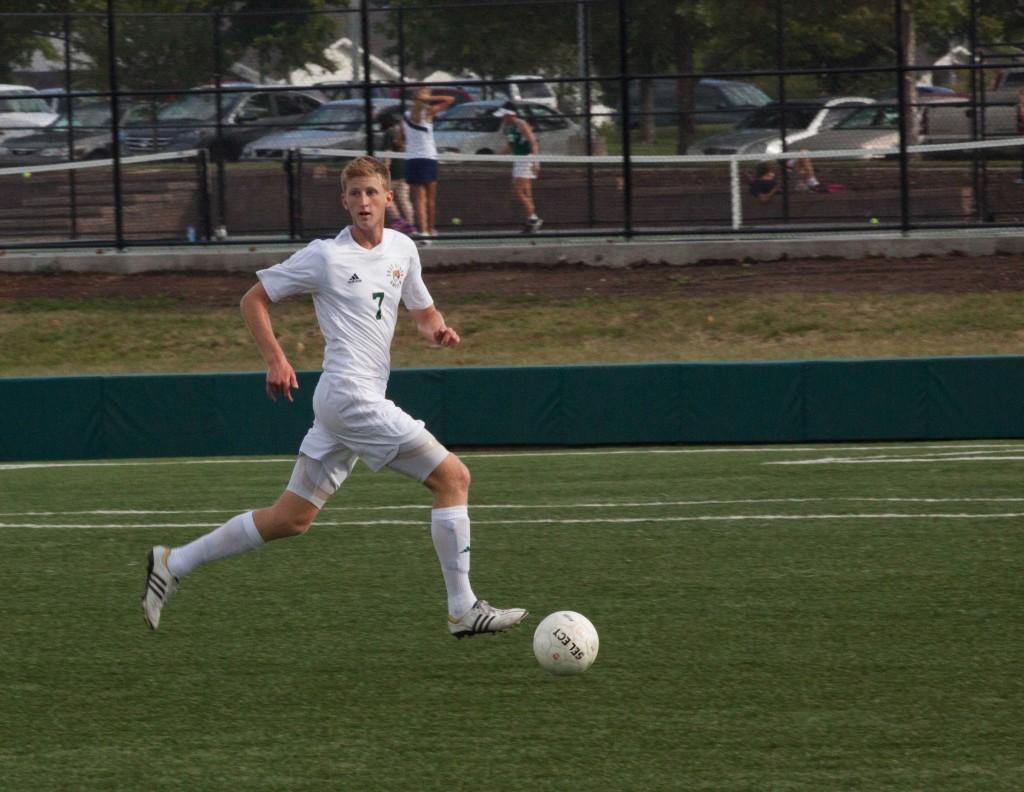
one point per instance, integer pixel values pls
(357, 280)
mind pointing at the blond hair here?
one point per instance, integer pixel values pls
(366, 166)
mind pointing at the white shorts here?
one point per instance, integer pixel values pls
(523, 169)
(353, 420)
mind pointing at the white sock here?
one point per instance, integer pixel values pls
(237, 535)
(449, 528)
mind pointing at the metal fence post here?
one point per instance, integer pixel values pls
(901, 71)
(780, 63)
(204, 193)
(218, 148)
(300, 229)
(115, 125)
(364, 35)
(583, 43)
(289, 171)
(627, 153)
(72, 174)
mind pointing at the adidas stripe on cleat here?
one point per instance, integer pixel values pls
(484, 619)
(160, 585)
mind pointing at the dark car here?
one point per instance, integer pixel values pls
(715, 101)
(191, 121)
(90, 128)
(335, 125)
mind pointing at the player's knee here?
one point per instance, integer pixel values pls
(450, 478)
(457, 477)
(294, 524)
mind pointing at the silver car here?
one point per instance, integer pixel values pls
(760, 132)
(336, 125)
(874, 128)
(472, 128)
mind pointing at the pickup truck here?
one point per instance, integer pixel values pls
(954, 122)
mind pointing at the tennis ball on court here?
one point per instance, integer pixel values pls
(456, 221)
(26, 175)
(873, 221)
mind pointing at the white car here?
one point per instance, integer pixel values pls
(472, 128)
(527, 88)
(875, 128)
(22, 111)
(759, 133)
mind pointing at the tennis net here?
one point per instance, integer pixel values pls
(162, 196)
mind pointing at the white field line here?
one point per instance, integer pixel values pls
(775, 449)
(476, 507)
(893, 460)
(577, 521)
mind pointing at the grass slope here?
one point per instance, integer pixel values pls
(45, 336)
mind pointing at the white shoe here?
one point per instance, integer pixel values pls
(483, 619)
(160, 585)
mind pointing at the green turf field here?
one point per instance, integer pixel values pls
(785, 618)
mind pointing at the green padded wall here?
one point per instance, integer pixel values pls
(758, 402)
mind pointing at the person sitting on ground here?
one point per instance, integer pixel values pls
(766, 182)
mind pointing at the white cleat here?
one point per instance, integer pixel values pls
(160, 585)
(484, 619)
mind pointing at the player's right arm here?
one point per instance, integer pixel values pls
(256, 312)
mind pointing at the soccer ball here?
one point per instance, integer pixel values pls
(565, 642)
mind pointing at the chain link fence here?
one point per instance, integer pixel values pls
(676, 119)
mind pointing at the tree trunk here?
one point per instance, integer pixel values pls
(648, 131)
(686, 88)
(911, 122)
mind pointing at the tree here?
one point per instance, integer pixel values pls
(662, 37)
(21, 36)
(166, 45)
(489, 41)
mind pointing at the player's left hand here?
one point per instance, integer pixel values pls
(446, 337)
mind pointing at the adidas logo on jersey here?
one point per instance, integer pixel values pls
(355, 279)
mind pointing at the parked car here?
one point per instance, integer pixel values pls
(191, 121)
(921, 89)
(472, 128)
(90, 125)
(525, 88)
(996, 115)
(458, 93)
(715, 101)
(339, 125)
(760, 132)
(351, 89)
(874, 128)
(22, 111)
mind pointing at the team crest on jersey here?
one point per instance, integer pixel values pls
(395, 275)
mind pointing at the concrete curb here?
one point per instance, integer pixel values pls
(612, 252)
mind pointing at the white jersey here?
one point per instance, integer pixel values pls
(419, 138)
(356, 294)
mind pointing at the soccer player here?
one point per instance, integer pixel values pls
(357, 280)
